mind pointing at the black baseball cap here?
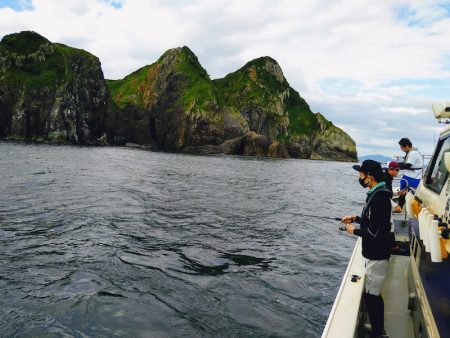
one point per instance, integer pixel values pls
(372, 168)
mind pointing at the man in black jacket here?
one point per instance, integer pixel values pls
(391, 171)
(374, 229)
(388, 176)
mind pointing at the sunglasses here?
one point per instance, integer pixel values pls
(396, 169)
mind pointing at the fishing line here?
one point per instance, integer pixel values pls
(324, 217)
(341, 228)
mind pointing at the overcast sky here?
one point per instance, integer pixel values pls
(372, 67)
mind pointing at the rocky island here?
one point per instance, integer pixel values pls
(50, 92)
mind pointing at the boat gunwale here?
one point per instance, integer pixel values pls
(351, 314)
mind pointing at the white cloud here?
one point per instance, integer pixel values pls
(406, 110)
(355, 61)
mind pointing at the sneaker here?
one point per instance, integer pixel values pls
(368, 328)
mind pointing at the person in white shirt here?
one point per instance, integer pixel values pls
(411, 167)
(413, 161)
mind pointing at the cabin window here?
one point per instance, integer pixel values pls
(437, 173)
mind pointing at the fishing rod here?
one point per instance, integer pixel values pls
(341, 228)
(344, 226)
(324, 217)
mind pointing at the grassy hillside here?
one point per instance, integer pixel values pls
(261, 84)
(302, 121)
(35, 62)
(200, 91)
(180, 65)
(129, 90)
(252, 85)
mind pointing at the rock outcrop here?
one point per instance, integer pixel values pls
(330, 142)
(51, 92)
(252, 111)
(170, 104)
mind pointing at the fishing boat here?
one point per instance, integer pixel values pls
(416, 292)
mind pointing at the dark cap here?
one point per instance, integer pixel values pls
(372, 168)
(393, 165)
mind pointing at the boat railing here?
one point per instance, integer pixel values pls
(346, 314)
(425, 160)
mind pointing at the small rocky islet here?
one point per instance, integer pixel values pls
(50, 92)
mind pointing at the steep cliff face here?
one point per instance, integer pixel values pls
(171, 103)
(332, 143)
(256, 93)
(174, 104)
(51, 92)
(260, 93)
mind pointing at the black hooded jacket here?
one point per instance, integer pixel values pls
(388, 179)
(375, 226)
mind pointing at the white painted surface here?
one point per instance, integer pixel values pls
(344, 314)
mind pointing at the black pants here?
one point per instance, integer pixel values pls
(392, 239)
(401, 201)
(375, 309)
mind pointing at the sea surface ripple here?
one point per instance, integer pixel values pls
(118, 242)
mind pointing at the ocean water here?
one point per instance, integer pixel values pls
(118, 242)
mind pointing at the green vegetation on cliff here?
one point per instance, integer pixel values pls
(200, 92)
(34, 62)
(252, 85)
(261, 84)
(129, 90)
(255, 98)
(140, 87)
(302, 121)
(49, 91)
(22, 43)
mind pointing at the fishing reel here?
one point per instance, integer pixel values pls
(343, 227)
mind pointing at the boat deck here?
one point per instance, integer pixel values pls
(348, 315)
(343, 320)
(397, 318)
